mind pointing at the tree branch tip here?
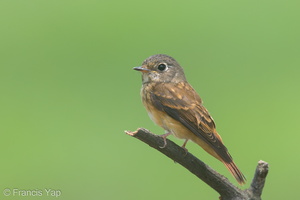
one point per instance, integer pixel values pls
(263, 166)
(264, 163)
(131, 133)
(141, 130)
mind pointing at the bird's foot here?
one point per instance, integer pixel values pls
(183, 146)
(164, 136)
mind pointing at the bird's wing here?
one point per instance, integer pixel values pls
(182, 103)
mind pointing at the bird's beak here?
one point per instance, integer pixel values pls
(141, 69)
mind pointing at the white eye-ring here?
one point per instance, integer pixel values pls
(162, 67)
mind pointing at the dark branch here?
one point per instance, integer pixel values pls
(258, 181)
(218, 182)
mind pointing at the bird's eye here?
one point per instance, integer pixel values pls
(162, 67)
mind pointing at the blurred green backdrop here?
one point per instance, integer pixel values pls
(68, 92)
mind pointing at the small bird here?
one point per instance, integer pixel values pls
(173, 104)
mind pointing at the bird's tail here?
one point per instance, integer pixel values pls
(234, 170)
(223, 155)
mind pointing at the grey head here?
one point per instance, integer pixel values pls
(161, 68)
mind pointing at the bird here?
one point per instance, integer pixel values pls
(173, 104)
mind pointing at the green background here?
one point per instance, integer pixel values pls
(68, 92)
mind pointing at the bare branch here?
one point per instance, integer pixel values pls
(218, 182)
(258, 181)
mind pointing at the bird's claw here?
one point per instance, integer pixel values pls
(164, 136)
(185, 150)
(183, 146)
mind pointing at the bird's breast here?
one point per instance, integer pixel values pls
(155, 115)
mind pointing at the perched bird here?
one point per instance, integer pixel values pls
(173, 104)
